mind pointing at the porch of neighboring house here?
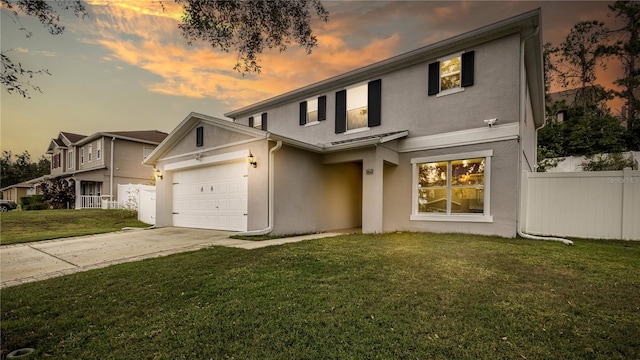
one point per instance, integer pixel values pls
(89, 196)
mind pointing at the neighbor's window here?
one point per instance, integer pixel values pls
(70, 159)
(98, 149)
(81, 155)
(450, 73)
(452, 187)
(89, 154)
(357, 110)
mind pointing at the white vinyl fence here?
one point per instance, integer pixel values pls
(593, 204)
(141, 198)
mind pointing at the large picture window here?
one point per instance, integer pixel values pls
(452, 188)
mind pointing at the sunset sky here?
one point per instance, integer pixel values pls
(126, 66)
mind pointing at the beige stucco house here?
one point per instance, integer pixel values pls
(96, 164)
(432, 140)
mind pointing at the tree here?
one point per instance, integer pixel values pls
(578, 58)
(626, 48)
(58, 193)
(14, 77)
(250, 26)
(18, 168)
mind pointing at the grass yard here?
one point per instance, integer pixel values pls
(27, 226)
(390, 296)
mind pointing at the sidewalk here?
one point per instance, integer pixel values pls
(28, 262)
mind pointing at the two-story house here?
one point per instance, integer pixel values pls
(432, 140)
(96, 164)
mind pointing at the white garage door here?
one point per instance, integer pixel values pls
(213, 197)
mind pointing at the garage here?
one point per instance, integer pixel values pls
(211, 197)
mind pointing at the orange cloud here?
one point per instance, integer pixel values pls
(151, 41)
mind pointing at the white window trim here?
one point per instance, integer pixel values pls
(485, 218)
(454, 90)
(90, 153)
(82, 155)
(99, 149)
(357, 130)
(312, 123)
(70, 160)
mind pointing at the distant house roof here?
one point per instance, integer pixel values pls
(72, 137)
(153, 137)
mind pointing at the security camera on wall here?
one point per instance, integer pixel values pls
(490, 122)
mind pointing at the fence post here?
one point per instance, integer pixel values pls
(630, 208)
(524, 201)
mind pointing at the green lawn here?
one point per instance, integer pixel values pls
(26, 226)
(390, 296)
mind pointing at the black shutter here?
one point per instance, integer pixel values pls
(374, 102)
(199, 136)
(467, 69)
(264, 121)
(434, 78)
(303, 113)
(322, 108)
(341, 111)
(251, 121)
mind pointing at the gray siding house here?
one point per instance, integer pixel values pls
(94, 165)
(432, 140)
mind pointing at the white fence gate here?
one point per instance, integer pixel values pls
(141, 198)
(593, 204)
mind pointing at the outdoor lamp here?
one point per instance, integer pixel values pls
(158, 174)
(252, 160)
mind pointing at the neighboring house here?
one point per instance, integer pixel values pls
(26, 188)
(96, 164)
(406, 144)
(561, 101)
(16, 191)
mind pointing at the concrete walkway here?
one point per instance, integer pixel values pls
(23, 263)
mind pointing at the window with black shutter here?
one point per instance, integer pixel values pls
(359, 107)
(451, 74)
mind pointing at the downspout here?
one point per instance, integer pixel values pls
(523, 98)
(113, 144)
(270, 213)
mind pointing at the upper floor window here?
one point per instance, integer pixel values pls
(452, 188)
(313, 110)
(70, 159)
(90, 153)
(359, 107)
(258, 121)
(55, 161)
(451, 74)
(81, 155)
(98, 149)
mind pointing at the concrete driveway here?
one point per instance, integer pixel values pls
(22, 263)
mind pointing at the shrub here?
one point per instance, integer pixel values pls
(33, 202)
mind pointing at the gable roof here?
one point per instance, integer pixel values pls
(71, 136)
(153, 137)
(189, 123)
(527, 24)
